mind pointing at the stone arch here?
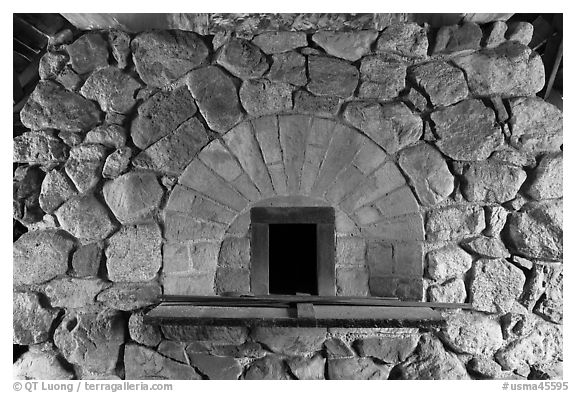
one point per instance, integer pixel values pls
(292, 160)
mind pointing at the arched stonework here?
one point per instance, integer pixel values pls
(293, 160)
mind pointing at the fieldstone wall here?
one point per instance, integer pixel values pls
(144, 152)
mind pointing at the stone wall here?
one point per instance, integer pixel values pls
(144, 152)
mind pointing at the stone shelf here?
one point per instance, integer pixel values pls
(321, 316)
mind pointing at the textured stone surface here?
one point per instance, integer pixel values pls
(536, 125)
(161, 57)
(520, 31)
(31, 321)
(290, 341)
(52, 64)
(215, 335)
(133, 253)
(391, 350)
(130, 296)
(536, 230)
(547, 180)
(443, 83)
(383, 77)
(40, 365)
(447, 262)
(73, 292)
(144, 363)
(216, 96)
(86, 260)
(56, 189)
(307, 368)
(509, 70)
(392, 126)
(490, 181)
(119, 41)
(451, 291)
(305, 102)
(457, 38)
(133, 197)
(109, 135)
(174, 152)
(39, 256)
(261, 97)
(496, 284)
(472, 333)
(487, 247)
(88, 53)
(117, 163)
(269, 367)
(86, 218)
(454, 222)
(39, 147)
(280, 41)
(543, 291)
(495, 34)
(288, 67)
(160, 115)
(331, 77)
(216, 367)
(52, 106)
(467, 131)
(84, 167)
(113, 89)
(428, 173)
(26, 188)
(142, 333)
(431, 361)
(336, 348)
(242, 59)
(357, 368)
(91, 340)
(345, 45)
(405, 39)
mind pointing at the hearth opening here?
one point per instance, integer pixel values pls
(292, 259)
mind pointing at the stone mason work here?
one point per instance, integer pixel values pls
(142, 154)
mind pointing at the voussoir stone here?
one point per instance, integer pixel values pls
(392, 126)
(280, 41)
(536, 231)
(290, 341)
(383, 77)
(536, 125)
(84, 166)
(447, 262)
(357, 369)
(242, 59)
(392, 349)
(133, 197)
(547, 180)
(39, 147)
(467, 131)
(74, 292)
(407, 39)
(453, 222)
(163, 56)
(88, 53)
(216, 96)
(491, 181)
(52, 106)
(428, 172)
(331, 77)
(130, 296)
(351, 45)
(261, 97)
(31, 321)
(472, 333)
(113, 89)
(39, 256)
(289, 67)
(443, 83)
(91, 340)
(56, 189)
(133, 253)
(145, 363)
(86, 218)
(509, 70)
(160, 115)
(496, 284)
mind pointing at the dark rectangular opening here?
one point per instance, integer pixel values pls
(292, 259)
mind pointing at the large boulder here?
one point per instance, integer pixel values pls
(280, 41)
(56, 189)
(269, 367)
(145, 363)
(71, 292)
(31, 321)
(350, 45)
(113, 89)
(389, 349)
(216, 367)
(454, 222)
(130, 296)
(86, 218)
(163, 56)
(290, 341)
(442, 82)
(383, 77)
(472, 333)
(547, 178)
(52, 106)
(491, 181)
(39, 147)
(447, 262)
(289, 67)
(143, 333)
(84, 167)
(357, 369)
(242, 59)
(40, 365)
(88, 53)
(39, 256)
(406, 39)
(261, 97)
(331, 77)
